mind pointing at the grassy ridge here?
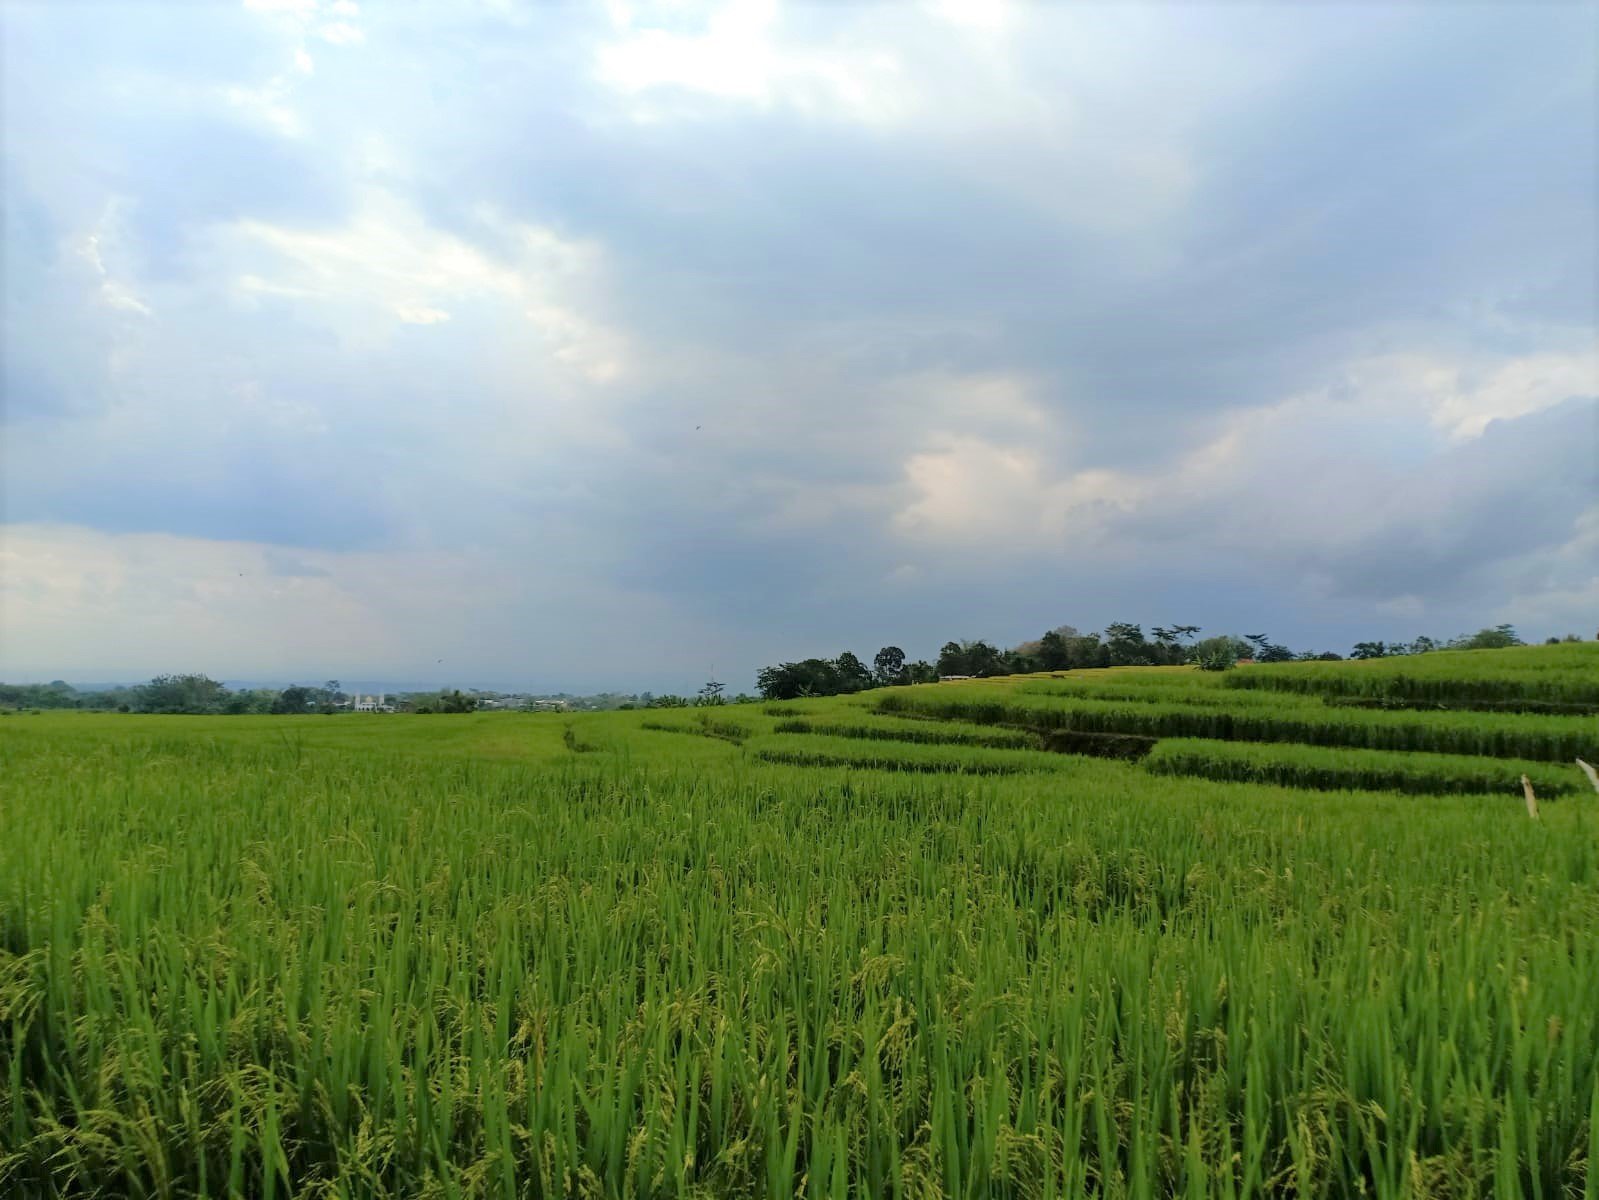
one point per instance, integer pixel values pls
(261, 969)
(1541, 738)
(1372, 770)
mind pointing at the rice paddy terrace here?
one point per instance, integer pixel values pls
(1282, 931)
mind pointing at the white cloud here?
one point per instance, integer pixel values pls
(740, 56)
(1465, 401)
(1462, 393)
(1360, 462)
(294, 8)
(420, 315)
(341, 33)
(127, 605)
(924, 350)
(296, 20)
(107, 238)
(985, 16)
(1001, 499)
(268, 105)
(180, 601)
(116, 295)
(388, 261)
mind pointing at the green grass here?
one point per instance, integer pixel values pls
(570, 955)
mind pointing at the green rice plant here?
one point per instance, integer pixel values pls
(878, 754)
(1128, 746)
(1175, 692)
(925, 732)
(446, 957)
(1568, 673)
(1338, 769)
(944, 733)
(1556, 708)
(702, 725)
(1545, 739)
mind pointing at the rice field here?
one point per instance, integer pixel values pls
(1520, 735)
(816, 949)
(1371, 770)
(1566, 672)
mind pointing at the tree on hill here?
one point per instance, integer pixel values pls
(1500, 637)
(55, 694)
(1051, 652)
(852, 673)
(1127, 645)
(888, 666)
(791, 680)
(952, 659)
(1267, 651)
(970, 658)
(1220, 653)
(180, 694)
(249, 700)
(294, 699)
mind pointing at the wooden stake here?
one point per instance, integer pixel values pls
(1532, 801)
(1593, 776)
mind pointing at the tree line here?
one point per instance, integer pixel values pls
(1120, 644)
(179, 693)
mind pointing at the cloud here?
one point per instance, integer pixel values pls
(341, 33)
(1467, 405)
(137, 604)
(977, 495)
(107, 237)
(684, 335)
(739, 55)
(388, 260)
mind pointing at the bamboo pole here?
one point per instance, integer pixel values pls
(1593, 776)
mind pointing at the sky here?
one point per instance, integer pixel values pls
(621, 345)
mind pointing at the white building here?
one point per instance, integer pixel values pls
(371, 703)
